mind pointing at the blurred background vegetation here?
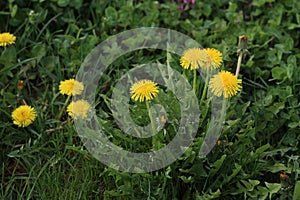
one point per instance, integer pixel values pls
(257, 156)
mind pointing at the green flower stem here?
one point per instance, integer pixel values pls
(152, 122)
(223, 111)
(205, 88)
(64, 107)
(214, 131)
(223, 114)
(195, 80)
(238, 64)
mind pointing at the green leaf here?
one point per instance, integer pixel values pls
(210, 195)
(198, 170)
(261, 2)
(63, 3)
(14, 153)
(249, 185)
(111, 193)
(273, 188)
(9, 97)
(217, 165)
(262, 149)
(76, 3)
(294, 124)
(234, 173)
(277, 167)
(111, 15)
(284, 94)
(262, 192)
(291, 66)
(13, 11)
(297, 191)
(8, 56)
(276, 107)
(279, 73)
(245, 186)
(186, 179)
(39, 51)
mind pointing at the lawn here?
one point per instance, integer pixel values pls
(164, 99)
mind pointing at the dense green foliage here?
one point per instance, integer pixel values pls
(260, 137)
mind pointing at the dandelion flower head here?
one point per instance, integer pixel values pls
(23, 116)
(243, 43)
(6, 39)
(225, 83)
(71, 87)
(194, 58)
(78, 108)
(215, 57)
(144, 90)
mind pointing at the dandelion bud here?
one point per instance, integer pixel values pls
(20, 85)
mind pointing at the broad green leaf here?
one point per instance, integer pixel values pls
(234, 173)
(208, 196)
(277, 167)
(276, 107)
(262, 192)
(261, 2)
(39, 51)
(297, 191)
(291, 66)
(273, 188)
(198, 170)
(111, 15)
(262, 149)
(217, 165)
(63, 3)
(294, 124)
(13, 11)
(76, 3)
(245, 186)
(111, 193)
(8, 56)
(279, 73)
(186, 179)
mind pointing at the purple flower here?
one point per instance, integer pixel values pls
(180, 7)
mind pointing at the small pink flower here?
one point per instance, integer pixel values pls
(180, 7)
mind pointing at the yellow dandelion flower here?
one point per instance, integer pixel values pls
(225, 83)
(23, 116)
(78, 108)
(71, 87)
(6, 39)
(144, 89)
(194, 58)
(215, 57)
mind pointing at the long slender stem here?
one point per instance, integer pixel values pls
(238, 67)
(151, 118)
(195, 80)
(152, 123)
(214, 131)
(149, 190)
(223, 111)
(205, 88)
(64, 107)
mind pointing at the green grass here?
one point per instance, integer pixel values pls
(260, 136)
